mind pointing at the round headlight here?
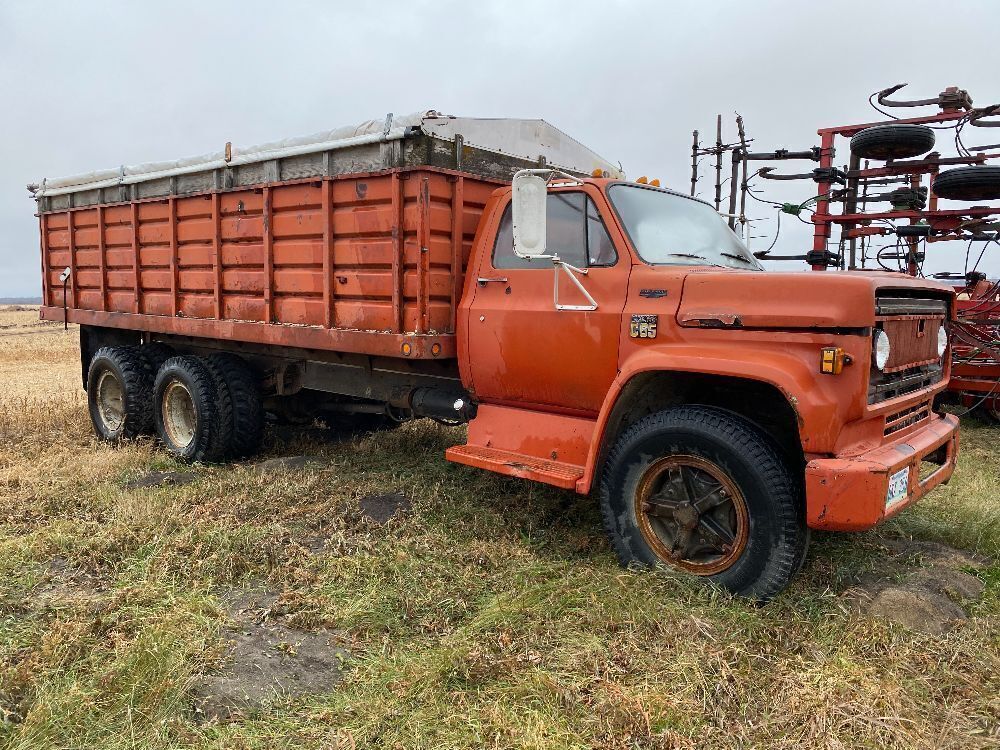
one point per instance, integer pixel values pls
(942, 341)
(881, 350)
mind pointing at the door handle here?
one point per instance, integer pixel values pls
(483, 281)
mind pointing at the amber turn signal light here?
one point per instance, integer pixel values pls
(832, 360)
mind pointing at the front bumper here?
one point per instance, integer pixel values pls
(849, 494)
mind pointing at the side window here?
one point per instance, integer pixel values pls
(503, 250)
(600, 248)
(574, 232)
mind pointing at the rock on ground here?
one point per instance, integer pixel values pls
(265, 660)
(932, 553)
(924, 599)
(916, 608)
(64, 585)
(381, 509)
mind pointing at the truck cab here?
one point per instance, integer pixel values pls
(618, 336)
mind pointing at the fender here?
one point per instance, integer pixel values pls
(791, 369)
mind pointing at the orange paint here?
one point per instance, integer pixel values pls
(518, 352)
(345, 253)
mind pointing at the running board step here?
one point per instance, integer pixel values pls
(517, 465)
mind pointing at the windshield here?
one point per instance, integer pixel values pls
(671, 229)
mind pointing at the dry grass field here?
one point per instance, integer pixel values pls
(488, 613)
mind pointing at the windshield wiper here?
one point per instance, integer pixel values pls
(696, 257)
(734, 256)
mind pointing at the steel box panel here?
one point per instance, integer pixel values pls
(378, 252)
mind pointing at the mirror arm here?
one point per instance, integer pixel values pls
(550, 172)
(569, 270)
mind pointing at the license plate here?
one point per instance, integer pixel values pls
(898, 485)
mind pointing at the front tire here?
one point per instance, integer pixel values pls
(704, 490)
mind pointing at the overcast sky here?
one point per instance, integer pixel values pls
(89, 85)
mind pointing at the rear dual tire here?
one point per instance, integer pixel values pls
(201, 408)
(187, 410)
(208, 408)
(120, 393)
(240, 411)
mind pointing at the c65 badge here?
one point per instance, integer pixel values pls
(643, 327)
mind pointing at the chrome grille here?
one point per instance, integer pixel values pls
(886, 385)
(907, 306)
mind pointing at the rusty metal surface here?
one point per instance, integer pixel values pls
(975, 342)
(307, 337)
(915, 341)
(692, 514)
(371, 253)
(523, 466)
(849, 494)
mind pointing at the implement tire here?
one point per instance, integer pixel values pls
(186, 413)
(704, 490)
(884, 142)
(968, 184)
(120, 393)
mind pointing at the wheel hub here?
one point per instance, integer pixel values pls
(692, 514)
(180, 421)
(110, 401)
(686, 515)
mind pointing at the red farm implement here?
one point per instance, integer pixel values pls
(897, 195)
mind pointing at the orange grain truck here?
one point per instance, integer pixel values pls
(595, 334)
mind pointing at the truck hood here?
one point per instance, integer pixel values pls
(807, 300)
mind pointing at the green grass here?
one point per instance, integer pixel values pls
(492, 616)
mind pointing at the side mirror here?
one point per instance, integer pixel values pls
(529, 214)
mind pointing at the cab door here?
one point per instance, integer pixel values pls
(524, 351)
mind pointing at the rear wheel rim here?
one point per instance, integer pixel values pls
(180, 420)
(691, 514)
(110, 401)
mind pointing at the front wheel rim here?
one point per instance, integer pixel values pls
(180, 419)
(691, 514)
